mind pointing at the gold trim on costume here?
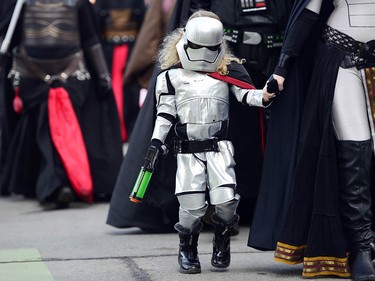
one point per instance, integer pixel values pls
(323, 266)
(312, 266)
(289, 254)
(368, 79)
(370, 82)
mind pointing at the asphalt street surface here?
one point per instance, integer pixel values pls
(76, 244)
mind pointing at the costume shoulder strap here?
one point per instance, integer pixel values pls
(237, 75)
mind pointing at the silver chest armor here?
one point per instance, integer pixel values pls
(202, 103)
(199, 103)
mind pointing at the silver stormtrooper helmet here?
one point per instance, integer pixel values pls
(200, 47)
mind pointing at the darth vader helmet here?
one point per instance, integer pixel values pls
(200, 47)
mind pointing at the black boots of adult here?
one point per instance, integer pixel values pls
(361, 266)
(188, 249)
(60, 199)
(221, 241)
(64, 197)
(354, 161)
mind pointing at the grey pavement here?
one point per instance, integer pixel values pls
(76, 244)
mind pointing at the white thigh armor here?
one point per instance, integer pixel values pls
(349, 109)
(213, 170)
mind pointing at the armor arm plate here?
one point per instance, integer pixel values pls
(165, 106)
(161, 128)
(253, 97)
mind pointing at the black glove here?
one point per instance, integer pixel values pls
(96, 56)
(160, 146)
(105, 85)
(273, 86)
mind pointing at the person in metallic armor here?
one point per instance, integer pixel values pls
(196, 105)
(56, 53)
(336, 141)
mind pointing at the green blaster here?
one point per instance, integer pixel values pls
(144, 175)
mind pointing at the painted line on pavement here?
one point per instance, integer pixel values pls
(23, 264)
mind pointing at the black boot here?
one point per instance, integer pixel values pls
(207, 220)
(188, 251)
(354, 161)
(221, 241)
(373, 246)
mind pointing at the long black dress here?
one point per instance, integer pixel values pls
(282, 141)
(302, 201)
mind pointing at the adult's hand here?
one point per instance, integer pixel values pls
(275, 84)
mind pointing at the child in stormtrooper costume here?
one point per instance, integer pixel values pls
(196, 106)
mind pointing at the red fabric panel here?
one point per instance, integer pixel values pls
(17, 101)
(120, 56)
(244, 85)
(232, 80)
(67, 138)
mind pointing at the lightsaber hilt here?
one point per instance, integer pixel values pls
(144, 175)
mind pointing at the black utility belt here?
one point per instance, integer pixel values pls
(340, 40)
(359, 54)
(185, 146)
(365, 59)
(254, 38)
(47, 70)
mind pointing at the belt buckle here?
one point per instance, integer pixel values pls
(349, 60)
(214, 145)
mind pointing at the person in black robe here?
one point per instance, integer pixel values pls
(66, 144)
(328, 223)
(119, 24)
(157, 212)
(281, 147)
